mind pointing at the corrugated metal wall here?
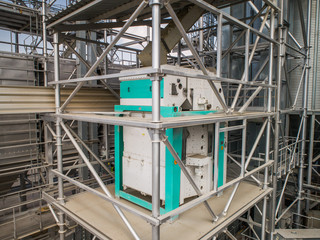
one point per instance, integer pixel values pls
(40, 99)
(21, 101)
(295, 28)
(312, 43)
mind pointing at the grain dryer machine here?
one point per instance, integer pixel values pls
(180, 96)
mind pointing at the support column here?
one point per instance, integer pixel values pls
(277, 119)
(305, 112)
(268, 130)
(44, 41)
(201, 39)
(156, 34)
(179, 53)
(58, 133)
(17, 42)
(48, 152)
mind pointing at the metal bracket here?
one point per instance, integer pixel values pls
(161, 131)
(156, 2)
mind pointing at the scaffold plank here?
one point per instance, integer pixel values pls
(193, 224)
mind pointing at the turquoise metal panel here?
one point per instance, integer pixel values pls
(138, 89)
(173, 171)
(221, 160)
(164, 111)
(139, 201)
(118, 145)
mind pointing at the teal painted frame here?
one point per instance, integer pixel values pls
(172, 170)
(221, 159)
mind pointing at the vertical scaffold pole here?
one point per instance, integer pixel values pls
(58, 132)
(268, 130)
(44, 40)
(156, 32)
(277, 119)
(304, 115)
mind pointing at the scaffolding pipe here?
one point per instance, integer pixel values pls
(196, 55)
(105, 52)
(300, 83)
(187, 174)
(226, 208)
(98, 179)
(91, 152)
(219, 45)
(255, 144)
(58, 133)
(277, 117)
(244, 31)
(44, 41)
(253, 177)
(243, 148)
(88, 66)
(248, 59)
(305, 112)
(268, 127)
(216, 156)
(156, 60)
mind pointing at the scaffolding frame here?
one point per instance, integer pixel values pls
(229, 114)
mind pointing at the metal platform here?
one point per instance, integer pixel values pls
(102, 220)
(298, 234)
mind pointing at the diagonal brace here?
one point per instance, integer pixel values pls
(195, 54)
(90, 151)
(98, 179)
(252, 97)
(88, 66)
(54, 214)
(255, 144)
(142, 5)
(187, 174)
